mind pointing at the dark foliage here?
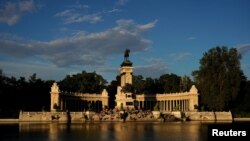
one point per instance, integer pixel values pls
(20, 94)
(83, 82)
(219, 78)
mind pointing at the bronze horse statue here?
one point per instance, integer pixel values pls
(126, 54)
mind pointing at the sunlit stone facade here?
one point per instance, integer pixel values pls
(182, 101)
(76, 101)
(126, 75)
(54, 97)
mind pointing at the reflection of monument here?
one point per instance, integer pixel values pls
(124, 96)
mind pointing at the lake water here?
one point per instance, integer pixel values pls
(108, 131)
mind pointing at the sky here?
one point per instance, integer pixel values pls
(63, 37)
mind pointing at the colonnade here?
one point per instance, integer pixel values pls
(80, 105)
(77, 101)
(165, 105)
(183, 101)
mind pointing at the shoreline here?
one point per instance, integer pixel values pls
(241, 119)
(14, 120)
(8, 120)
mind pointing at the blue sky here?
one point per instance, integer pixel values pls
(60, 37)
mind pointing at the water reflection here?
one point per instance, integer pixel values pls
(111, 131)
(105, 131)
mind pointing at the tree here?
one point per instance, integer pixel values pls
(21, 94)
(165, 84)
(138, 84)
(185, 83)
(146, 86)
(242, 108)
(83, 82)
(150, 86)
(219, 78)
(128, 88)
(112, 90)
(169, 83)
(33, 78)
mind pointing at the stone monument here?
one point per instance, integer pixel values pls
(124, 98)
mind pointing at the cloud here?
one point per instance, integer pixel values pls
(147, 26)
(79, 13)
(72, 16)
(243, 49)
(112, 11)
(80, 6)
(180, 56)
(80, 49)
(27, 6)
(26, 69)
(154, 68)
(121, 2)
(133, 28)
(108, 69)
(191, 38)
(11, 13)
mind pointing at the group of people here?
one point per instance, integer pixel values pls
(116, 114)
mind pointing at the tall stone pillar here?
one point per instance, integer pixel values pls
(54, 97)
(126, 75)
(193, 96)
(104, 98)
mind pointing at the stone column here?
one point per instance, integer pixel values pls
(139, 104)
(54, 97)
(185, 105)
(182, 106)
(164, 105)
(160, 105)
(170, 106)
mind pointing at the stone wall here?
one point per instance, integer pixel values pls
(51, 116)
(132, 116)
(209, 116)
(220, 116)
